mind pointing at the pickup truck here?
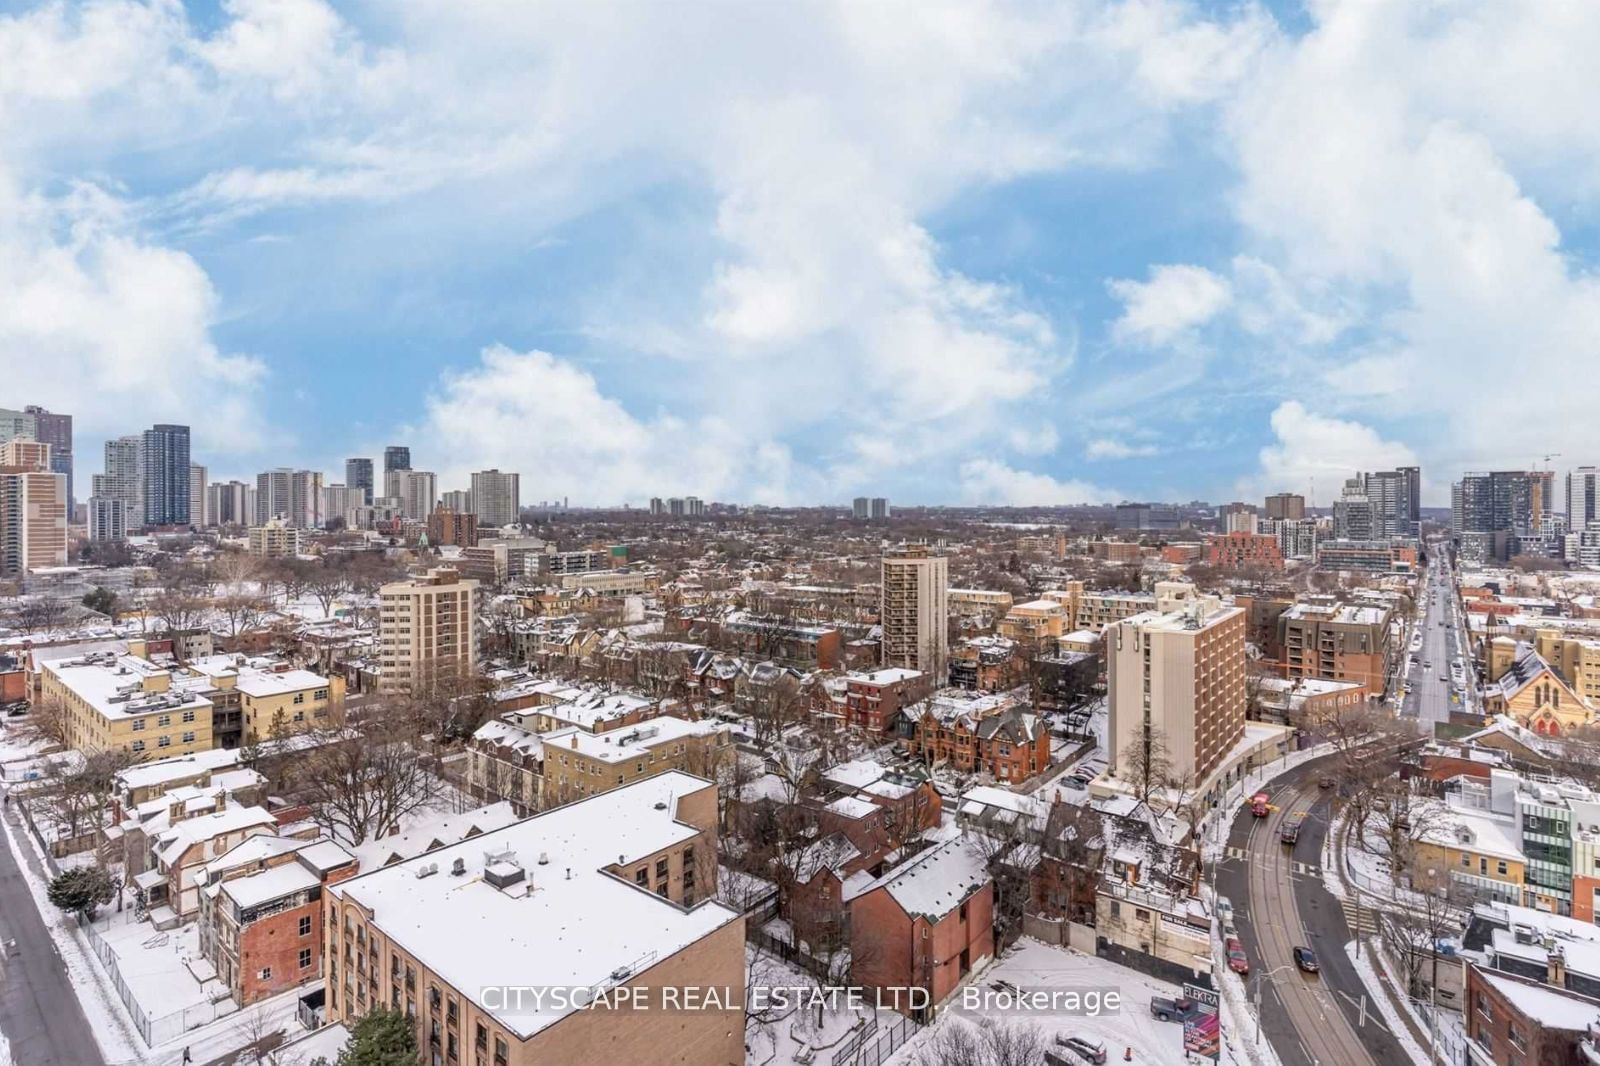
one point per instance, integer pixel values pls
(1173, 1010)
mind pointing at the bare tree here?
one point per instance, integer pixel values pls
(361, 784)
(327, 581)
(958, 1042)
(48, 722)
(1146, 764)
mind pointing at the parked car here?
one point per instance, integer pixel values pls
(1238, 961)
(1306, 959)
(1089, 1051)
(1225, 910)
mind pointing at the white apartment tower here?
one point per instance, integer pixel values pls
(418, 492)
(427, 632)
(496, 498)
(915, 609)
(1583, 497)
(292, 495)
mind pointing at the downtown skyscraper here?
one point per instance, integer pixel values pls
(164, 474)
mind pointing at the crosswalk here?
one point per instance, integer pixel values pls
(1304, 869)
(1363, 920)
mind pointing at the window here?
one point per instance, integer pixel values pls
(305, 958)
(641, 876)
(299, 697)
(138, 725)
(188, 716)
(482, 1037)
(1466, 861)
(1500, 867)
(164, 742)
(661, 868)
(320, 694)
(188, 738)
(138, 745)
(305, 930)
(265, 974)
(165, 719)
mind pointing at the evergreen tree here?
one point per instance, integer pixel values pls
(80, 890)
(381, 1037)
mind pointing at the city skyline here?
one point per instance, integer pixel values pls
(1140, 279)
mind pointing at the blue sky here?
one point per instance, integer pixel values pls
(951, 252)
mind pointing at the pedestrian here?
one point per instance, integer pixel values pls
(187, 1058)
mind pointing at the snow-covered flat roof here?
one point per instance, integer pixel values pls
(631, 742)
(258, 684)
(855, 774)
(853, 807)
(576, 924)
(268, 885)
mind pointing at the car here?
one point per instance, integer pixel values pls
(1238, 961)
(1306, 959)
(1087, 1050)
(1172, 1010)
(1225, 910)
(1428, 665)
(1328, 782)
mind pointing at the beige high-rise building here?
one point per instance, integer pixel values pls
(33, 508)
(1286, 505)
(199, 514)
(427, 632)
(1179, 676)
(496, 498)
(275, 540)
(915, 609)
(418, 492)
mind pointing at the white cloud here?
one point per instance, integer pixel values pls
(1113, 448)
(112, 329)
(1316, 450)
(986, 481)
(1393, 166)
(1177, 299)
(543, 416)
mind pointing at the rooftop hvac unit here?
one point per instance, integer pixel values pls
(503, 875)
(427, 869)
(458, 867)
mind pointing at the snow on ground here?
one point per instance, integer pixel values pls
(107, 1017)
(5, 1051)
(272, 1021)
(157, 965)
(1391, 1017)
(785, 1035)
(1036, 966)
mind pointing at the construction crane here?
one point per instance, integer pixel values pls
(1552, 455)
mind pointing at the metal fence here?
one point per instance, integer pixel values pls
(875, 1043)
(157, 1029)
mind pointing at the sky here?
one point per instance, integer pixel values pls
(943, 251)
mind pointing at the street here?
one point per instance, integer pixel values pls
(1280, 902)
(1428, 682)
(39, 1012)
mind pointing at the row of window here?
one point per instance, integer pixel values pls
(161, 721)
(163, 741)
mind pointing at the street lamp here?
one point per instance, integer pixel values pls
(1256, 999)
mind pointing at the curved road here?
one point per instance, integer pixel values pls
(1279, 902)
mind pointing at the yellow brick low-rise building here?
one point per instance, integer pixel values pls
(113, 700)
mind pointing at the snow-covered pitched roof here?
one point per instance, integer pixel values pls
(936, 881)
(432, 829)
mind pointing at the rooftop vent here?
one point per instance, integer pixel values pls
(503, 875)
(458, 867)
(427, 869)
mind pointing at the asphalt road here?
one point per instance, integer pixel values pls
(1279, 902)
(1429, 686)
(39, 1012)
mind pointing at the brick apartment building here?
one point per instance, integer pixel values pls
(927, 923)
(1241, 550)
(261, 913)
(1515, 1021)
(617, 891)
(971, 732)
(1338, 642)
(873, 699)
